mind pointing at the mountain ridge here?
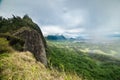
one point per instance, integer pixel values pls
(27, 31)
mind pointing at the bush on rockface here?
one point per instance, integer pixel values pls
(15, 42)
(4, 46)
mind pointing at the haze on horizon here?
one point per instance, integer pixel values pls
(92, 19)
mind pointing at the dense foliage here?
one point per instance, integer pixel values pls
(70, 60)
(10, 26)
(13, 41)
(4, 46)
(15, 23)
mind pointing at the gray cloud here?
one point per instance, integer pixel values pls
(96, 18)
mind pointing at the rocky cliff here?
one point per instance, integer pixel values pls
(33, 43)
(26, 31)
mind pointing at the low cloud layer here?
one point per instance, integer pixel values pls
(94, 18)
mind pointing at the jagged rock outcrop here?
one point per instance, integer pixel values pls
(34, 43)
(24, 35)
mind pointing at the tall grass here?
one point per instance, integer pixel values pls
(23, 66)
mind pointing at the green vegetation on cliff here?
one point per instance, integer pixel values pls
(15, 23)
(4, 46)
(22, 33)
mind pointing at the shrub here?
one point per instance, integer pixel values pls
(4, 46)
(15, 42)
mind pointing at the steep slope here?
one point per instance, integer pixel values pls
(21, 41)
(23, 66)
(33, 43)
(16, 65)
(17, 28)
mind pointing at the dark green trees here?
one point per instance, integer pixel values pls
(16, 22)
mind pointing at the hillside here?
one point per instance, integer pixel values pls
(24, 35)
(22, 52)
(26, 55)
(69, 57)
(23, 66)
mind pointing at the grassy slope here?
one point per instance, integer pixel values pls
(65, 64)
(23, 66)
(70, 60)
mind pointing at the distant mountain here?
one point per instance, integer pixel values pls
(62, 37)
(56, 37)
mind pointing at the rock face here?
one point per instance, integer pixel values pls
(33, 43)
(24, 34)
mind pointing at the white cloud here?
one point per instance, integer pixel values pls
(116, 32)
(74, 18)
(49, 29)
(52, 29)
(75, 30)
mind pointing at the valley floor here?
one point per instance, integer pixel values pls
(76, 57)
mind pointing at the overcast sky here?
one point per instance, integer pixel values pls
(88, 18)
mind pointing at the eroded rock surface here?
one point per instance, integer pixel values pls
(33, 43)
